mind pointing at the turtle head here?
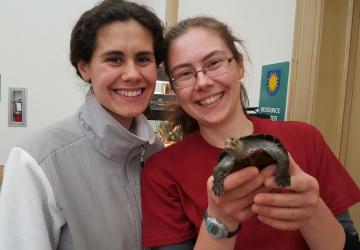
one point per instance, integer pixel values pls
(233, 146)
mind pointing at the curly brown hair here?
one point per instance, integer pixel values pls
(83, 36)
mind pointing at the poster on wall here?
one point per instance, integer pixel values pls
(17, 107)
(273, 90)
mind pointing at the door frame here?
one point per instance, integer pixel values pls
(303, 102)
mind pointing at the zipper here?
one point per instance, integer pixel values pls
(144, 147)
(134, 201)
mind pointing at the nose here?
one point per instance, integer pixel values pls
(130, 72)
(202, 80)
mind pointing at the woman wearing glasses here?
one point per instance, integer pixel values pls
(180, 210)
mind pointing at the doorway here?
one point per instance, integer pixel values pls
(325, 77)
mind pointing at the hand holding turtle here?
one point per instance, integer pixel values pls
(234, 206)
(292, 208)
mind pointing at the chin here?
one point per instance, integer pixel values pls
(132, 114)
(126, 114)
(209, 122)
(211, 118)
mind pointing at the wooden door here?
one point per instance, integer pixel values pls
(350, 143)
(325, 77)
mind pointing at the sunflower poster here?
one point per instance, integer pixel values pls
(273, 90)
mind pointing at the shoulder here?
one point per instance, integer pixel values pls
(167, 154)
(27, 191)
(156, 146)
(293, 129)
(179, 148)
(174, 154)
(41, 142)
(301, 139)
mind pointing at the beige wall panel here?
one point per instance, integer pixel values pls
(333, 61)
(352, 155)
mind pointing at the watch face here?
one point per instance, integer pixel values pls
(214, 229)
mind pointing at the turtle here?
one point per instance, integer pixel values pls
(258, 150)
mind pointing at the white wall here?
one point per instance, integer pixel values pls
(34, 48)
(156, 5)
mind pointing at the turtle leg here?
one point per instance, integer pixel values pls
(282, 177)
(221, 170)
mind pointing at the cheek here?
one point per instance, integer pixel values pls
(150, 76)
(229, 80)
(184, 97)
(104, 76)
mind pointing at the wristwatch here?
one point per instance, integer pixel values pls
(216, 229)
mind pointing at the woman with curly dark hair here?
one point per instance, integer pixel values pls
(76, 184)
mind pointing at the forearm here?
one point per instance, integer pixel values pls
(205, 241)
(323, 231)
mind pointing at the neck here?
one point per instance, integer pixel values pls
(235, 128)
(128, 123)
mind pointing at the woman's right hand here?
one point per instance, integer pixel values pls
(234, 206)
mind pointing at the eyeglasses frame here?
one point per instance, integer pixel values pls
(173, 81)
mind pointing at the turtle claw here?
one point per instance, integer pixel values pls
(283, 180)
(218, 188)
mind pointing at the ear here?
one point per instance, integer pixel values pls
(240, 64)
(84, 70)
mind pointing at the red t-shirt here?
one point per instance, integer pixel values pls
(174, 194)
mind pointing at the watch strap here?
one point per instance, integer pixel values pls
(228, 234)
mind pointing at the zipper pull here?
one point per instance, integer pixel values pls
(144, 147)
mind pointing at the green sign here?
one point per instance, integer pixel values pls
(273, 90)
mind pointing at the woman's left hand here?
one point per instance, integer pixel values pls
(294, 206)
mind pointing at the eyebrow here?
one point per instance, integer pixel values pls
(145, 53)
(112, 53)
(203, 59)
(120, 53)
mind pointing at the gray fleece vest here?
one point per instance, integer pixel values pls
(93, 166)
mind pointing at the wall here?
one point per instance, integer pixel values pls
(34, 49)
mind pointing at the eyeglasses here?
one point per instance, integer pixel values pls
(186, 76)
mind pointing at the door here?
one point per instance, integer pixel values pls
(325, 77)
(350, 143)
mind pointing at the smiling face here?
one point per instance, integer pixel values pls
(215, 100)
(122, 70)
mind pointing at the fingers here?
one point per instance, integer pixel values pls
(279, 199)
(299, 183)
(293, 166)
(234, 205)
(240, 177)
(244, 214)
(304, 192)
(283, 213)
(288, 210)
(268, 171)
(240, 189)
(281, 224)
(244, 176)
(244, 189)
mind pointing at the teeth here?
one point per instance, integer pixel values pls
(211, 99)
(130, 93)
